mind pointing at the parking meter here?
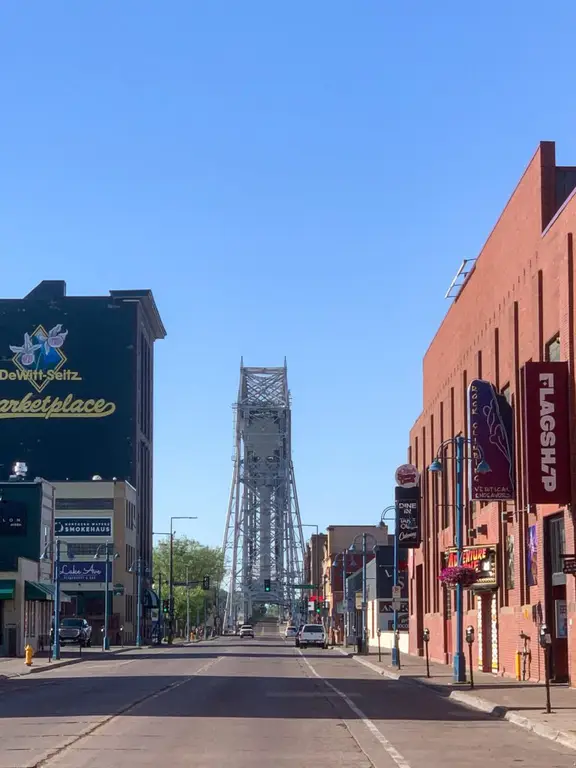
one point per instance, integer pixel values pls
(545, 639)
(470, 641)
(426, 638)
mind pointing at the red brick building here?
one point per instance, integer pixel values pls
(516, 305)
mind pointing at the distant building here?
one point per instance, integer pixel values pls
(26, 565)
(339, 540)
(76, 389)
(88, 517)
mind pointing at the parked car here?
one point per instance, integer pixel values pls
(246, 630)
(312, 634)
(74, 631)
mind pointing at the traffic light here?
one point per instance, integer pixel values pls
(266, 585)
(206, 583)
(318, 608)
(165, 606)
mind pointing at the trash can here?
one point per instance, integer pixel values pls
(359, 648)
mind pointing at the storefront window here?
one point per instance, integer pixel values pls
(557, 548)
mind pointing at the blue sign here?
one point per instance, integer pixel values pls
(85, 571)
(83, 526)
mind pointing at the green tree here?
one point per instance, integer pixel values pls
(197, 561)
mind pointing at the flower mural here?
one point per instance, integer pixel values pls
(54, 339)
(27, 352)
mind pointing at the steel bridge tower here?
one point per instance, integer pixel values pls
(263, 539)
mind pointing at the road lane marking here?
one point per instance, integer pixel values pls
(391, 750)
(46, 761)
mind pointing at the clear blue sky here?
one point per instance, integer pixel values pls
(298, 179)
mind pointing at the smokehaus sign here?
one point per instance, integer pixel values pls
(546, 433)
(39, 360)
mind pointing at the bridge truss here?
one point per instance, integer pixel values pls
(263, 542)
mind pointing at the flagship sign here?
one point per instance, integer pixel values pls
(81, 572)
(546, 433)
(408, 516)
(491, 430)
(83, 526)
(39, 360)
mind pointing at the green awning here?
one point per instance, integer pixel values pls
(7, 589)
(41, 590)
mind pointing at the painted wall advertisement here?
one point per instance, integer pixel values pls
(67, 369)
(491, 432)
(546, 433)
(13, 518)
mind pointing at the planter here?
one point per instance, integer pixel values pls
(460, 575)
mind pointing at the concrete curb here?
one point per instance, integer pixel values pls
(503, 713)
(44, 668)
(473, 701)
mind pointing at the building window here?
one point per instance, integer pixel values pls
(557, 535)
(553, 350)
(78, 549)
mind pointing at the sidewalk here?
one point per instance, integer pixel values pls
(521, 703)
(15, 667)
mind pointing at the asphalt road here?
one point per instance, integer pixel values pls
(239, 703)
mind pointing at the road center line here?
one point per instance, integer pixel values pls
(399, 759)
(46, 761)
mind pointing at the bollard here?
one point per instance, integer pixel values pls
(470, 641)
(545, 643)
(397, 644)
(379, 647)
(28, 652)
(426, 638)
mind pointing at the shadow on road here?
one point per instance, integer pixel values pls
(227, 696)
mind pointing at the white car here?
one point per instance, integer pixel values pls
(290, 632)
(311, 634)
(246, 630)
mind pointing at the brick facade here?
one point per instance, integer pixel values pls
(518, 299)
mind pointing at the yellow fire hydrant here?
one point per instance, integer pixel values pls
(29, 652)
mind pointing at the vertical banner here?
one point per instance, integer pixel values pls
(408, 516)
(491, 430)
(532, 556)
(546, 433)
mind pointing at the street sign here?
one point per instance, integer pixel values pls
(396, 592)
(396, 605)
(311, 605)
(303, 586)
(570, 566)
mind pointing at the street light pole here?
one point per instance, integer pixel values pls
(56, 643)
(187, 605)
(364, 594)
(460, 656)
(459, 442)
(178, 517)
(395, 570)
(139, 603)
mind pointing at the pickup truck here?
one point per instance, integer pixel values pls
(311, 634)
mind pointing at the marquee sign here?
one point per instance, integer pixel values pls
(482, 559)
